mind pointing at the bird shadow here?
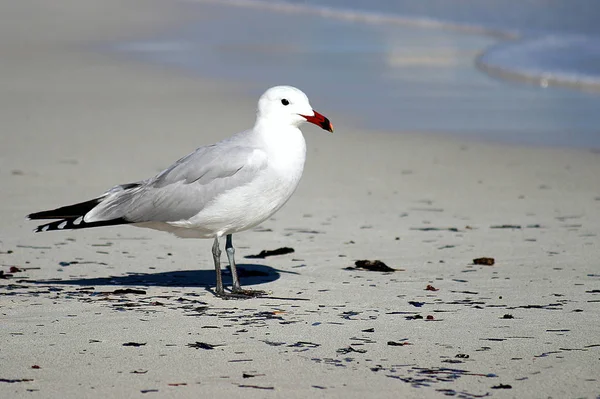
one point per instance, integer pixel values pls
(249, 274)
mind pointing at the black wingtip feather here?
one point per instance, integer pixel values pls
(77, 223)
(71, 217)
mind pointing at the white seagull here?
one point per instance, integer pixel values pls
(215, 191)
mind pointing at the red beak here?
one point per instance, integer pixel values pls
(319, 120)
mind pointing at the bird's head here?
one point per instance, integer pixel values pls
(288, 105)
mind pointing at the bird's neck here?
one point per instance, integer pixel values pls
(282, 141)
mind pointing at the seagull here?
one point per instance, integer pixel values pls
(215, 191)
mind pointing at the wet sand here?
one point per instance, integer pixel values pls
(126, 312)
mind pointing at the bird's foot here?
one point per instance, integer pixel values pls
(240, 293)
(248, 293)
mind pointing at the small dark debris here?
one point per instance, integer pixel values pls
(14, 269)
(202, 345)
(368, 330)
(452, 229)
(35, 367)
(304, 344)
(506, 226)
(248, 375)
(134, 344)
(176, 384)
(462, 356)
(414, 317)
(343, 351)
(502, 386)
(264, 253)
(148, 390)
(5, 275)
(348, 314)
(271, 343)
(416, 304)
(122, 291)
(508, 316)
(372, 266)
(394, 343)
(484, 261)
(430, 317)
(139, 371)
(431, 288)
(254, 386)
(12, 381)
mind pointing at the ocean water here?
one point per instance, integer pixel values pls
(524, 71)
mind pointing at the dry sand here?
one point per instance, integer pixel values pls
(75, 121)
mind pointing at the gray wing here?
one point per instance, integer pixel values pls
(186, 187)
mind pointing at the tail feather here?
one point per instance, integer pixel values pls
(66, 212)
(71, 217)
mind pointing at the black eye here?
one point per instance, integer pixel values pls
(285, 102)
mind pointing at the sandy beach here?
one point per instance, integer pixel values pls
(126, 312)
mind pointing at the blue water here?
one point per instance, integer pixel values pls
(554, 42)
(396, 65)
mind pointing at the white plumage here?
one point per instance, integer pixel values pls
(216, 190)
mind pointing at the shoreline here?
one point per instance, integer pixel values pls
(76, 122)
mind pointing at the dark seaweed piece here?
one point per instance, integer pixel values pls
(202, 345)
(248, 375)
(303, 344)
(368, 330)
(506, 226)
(122, 291)
(508, 316)
(12, 381)
(484, 261)
(271, 343)
(348, 314)
(416, 304)
(502, 386)
(431, 288)
(349, 349)
(394, 343)
(372, 266)
(254, 386)
(452, 229)
(134, 344)
(264, 253)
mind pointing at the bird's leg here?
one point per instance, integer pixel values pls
(236, 287)
(231, 257)
(216, 251)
